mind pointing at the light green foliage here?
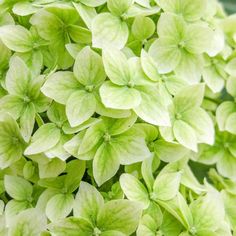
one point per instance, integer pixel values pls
(117, 118)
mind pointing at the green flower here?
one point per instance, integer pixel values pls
(24, 99)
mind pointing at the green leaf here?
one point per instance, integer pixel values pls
(105, 164)
(30, 222)
(60, 85)
(119, 97)
(16, 38)
(109, 31)
(142, 28)
(80, 107)
(46, 137)
(118, 8)
(166, 186)
(134, 190)
(18, 188)
(120, 215)
(116, 66)
(88, 68)
(185, 135)
(189, 97)
(17, 77)
(88, 202)
(59, 206)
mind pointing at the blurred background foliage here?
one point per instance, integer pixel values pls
(230, 6)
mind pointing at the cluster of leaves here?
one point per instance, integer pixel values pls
(117, 117)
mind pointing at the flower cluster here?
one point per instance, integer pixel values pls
(117, 118)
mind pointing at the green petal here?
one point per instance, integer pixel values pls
(118, 8)
(93, 3)
(59, 206)
(60, 85)
(185, 135)
(88, 202)
(46, 137)
(80, 107)
(88, 68)
(227, 165)
(230, 86)
(109, 31)
(189, 97)
(105, 164)
(16, 38)
(166, 54)
(151, 108)
(18, 188)
(120, 215)
(166, 186)
(119, 97)
(202, 123)
(17, 77)
(134, 190)
(79, 34)
(116, 66)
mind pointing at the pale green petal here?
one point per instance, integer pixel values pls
(119, 97)
(18, 188)
(46, 137)
(202, 124)
(116, 66)
(79, 34)
(121, 215)
(189, 97)
(17, 77)
(185, 135)
(134, 190)
(16, 38)
(88, 202)
(230, 125)
(80, 107)
(231, 86)
(166, 186)
(142, 28)
(223, 112)
(60, 85)
(88, 68)
(118, 8)
(106, 163)
(109, 31)
(147, 172)
(59, 206)
(166, 54)
(230, 67)
(151, 108)
(93, 3)
(227, 165)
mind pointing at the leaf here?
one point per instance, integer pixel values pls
(151, 108)
(120, 215)
(185, 135)
(17, 77)
(29, 222)
(134, 190)
(166, 186)
(88, 68)
(116, 66)
(105, 164)
(119, 97)
(88, 202)
(46, 137)
(109, 31)
(142, 28)
(59, 206)
(80, 107)
(16, 38)
(18, 188)
(60, 85)
(189, 97)
(118, 8)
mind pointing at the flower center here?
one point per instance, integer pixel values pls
(130, 84)
(153, 196)
(193, 230)
(181, 44)
(107, 137)
(96, 231)
(178, 116)
(89, 88)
